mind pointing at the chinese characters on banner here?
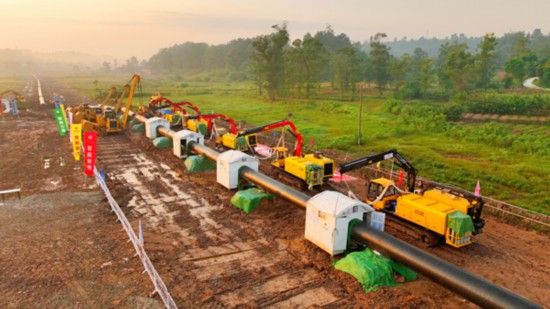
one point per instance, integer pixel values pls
(77, 140)
(90, 146)
(61, 123)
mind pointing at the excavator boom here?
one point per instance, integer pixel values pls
(136, 80)
(279, 124)
(386, 155)
(210, 117)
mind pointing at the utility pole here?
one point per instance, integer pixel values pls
(360, 112)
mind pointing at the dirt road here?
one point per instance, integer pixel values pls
(62, 247)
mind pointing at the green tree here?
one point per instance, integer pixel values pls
(106, 66)
(399, 68)
(422, 69)
(306, 62)
(516, 68)
(420, 74)
(346, 64)
(379, 62)
(458, 67)
(332, 42)
(485, 60)
(269, 60)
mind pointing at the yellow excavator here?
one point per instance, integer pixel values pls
(452, 214)
(313, 169)
(104, 119)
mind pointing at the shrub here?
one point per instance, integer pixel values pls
(454, 112)
(393, 106)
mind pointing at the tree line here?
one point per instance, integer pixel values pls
(281, 68)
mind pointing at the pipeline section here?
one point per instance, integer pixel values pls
(459, 281)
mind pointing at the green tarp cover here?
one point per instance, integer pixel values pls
(162, 142)
(240, 142)
(460, 223)
(249, 199)
(176, 119)
(372, 270)
(140, 127)
(202, 128)
(199, 164)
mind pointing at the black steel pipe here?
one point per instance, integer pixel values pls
(471, 287)
(290, 194)
(459, 281)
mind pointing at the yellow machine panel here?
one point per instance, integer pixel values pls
(424, 212)
(193, 124)
(456, 202)
(325, 163)
(228, 140)
(305, 170)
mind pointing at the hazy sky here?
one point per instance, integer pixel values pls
(125, 28)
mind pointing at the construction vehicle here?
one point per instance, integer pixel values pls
(204, 123)
(112, 94)
(104, 118)
(174, 112)
(451, 214)
(314, 169)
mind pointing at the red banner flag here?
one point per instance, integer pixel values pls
(90, 148)
(311, 143)
(477, 192)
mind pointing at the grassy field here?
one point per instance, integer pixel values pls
(509, 160)
(11, 83)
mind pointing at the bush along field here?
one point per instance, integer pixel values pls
(510, 160)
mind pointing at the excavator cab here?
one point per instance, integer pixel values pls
(280, 153)
(379, 199)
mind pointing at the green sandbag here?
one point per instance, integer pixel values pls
(248, 200)
(199, 164)
(140, 127)
(370, 269)
(162, 142)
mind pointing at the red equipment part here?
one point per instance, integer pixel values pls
(157, 104)
(279, 124)
(210, 117)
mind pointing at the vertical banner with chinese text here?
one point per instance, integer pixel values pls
(76, 134)
(90, 146)
(61, 124)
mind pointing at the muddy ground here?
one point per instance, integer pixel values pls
(63, 248)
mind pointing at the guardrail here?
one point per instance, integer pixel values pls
(4, 192)
(160, 287)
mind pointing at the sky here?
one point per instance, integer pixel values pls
(120, 29)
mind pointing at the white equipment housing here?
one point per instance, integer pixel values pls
(152, 124)
(5, 106)
(328, 215)
(180, 140)
(228, 165)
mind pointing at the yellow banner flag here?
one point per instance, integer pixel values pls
(76, 134)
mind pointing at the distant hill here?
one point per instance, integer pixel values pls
(17, 61)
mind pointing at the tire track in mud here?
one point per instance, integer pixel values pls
(207, 251)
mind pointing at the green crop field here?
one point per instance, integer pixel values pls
(509, 160)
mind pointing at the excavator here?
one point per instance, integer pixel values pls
(314, 169)
(204, 123)
(160, 106)
(452, 214)
(104, 118)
